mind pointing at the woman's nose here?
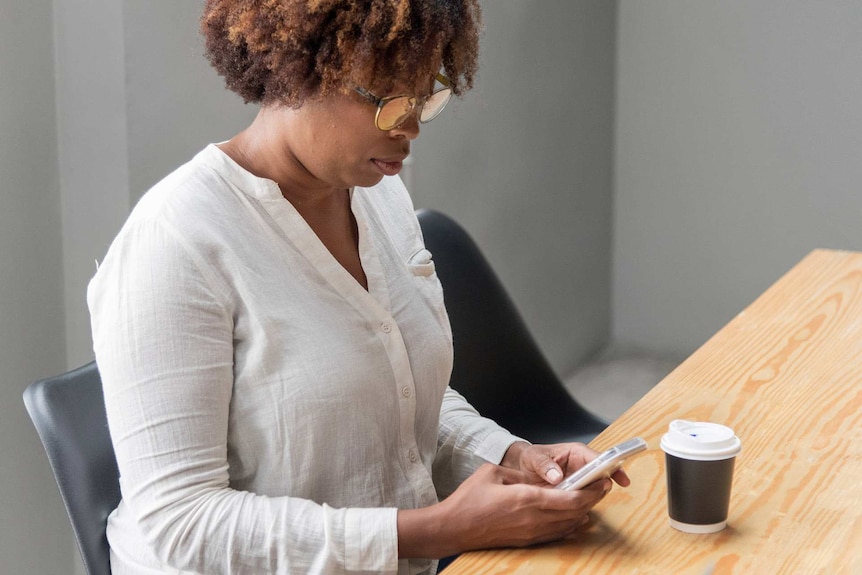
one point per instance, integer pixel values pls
(409, 128)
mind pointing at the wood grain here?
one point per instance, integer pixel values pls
(786, 375)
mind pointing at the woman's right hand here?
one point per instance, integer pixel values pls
(495, 508)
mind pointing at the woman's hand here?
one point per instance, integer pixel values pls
(495, 507)
(507, 505)
(549, 464)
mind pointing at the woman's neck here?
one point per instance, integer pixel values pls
(264, 149)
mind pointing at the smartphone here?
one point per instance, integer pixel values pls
(604, 465)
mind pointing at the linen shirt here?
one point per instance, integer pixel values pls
(269, 415)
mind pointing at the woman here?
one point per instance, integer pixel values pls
(271, 334)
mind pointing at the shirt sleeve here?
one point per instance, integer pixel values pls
(163, 334)
(465, 441)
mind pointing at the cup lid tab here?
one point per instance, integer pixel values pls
(700, 440)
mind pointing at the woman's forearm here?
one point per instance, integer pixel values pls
(425, 533)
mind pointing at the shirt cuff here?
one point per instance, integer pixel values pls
(371, 540)
(494, 446)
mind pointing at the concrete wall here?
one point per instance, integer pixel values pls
(34, 537)
(525, 163)
(93, 149)
(176, 103)
(738, 150)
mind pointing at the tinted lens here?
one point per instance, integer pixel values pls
(435, 104)
(394, 112)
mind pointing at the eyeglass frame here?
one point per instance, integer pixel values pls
(418, 104)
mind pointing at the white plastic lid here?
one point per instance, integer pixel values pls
(700, 440)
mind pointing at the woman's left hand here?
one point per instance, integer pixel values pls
(549, 464)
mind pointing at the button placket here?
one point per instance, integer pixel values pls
(419, 477)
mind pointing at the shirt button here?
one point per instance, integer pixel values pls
(411, 455)
(405, 391)
(386, 327)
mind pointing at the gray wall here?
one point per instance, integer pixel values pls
(177, 104)
(34, 537)
(525, 163)
(738, 150)
(93, 144)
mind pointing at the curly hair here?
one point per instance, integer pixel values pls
(286, 51)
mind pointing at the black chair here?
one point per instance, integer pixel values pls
(69, 414)
(499, 368)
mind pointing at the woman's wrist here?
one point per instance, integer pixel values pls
(512, 457)
(426, 533)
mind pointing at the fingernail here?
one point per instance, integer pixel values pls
(554, 475)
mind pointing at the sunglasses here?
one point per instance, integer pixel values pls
(393, 111)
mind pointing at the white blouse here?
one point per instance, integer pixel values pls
(268, 414)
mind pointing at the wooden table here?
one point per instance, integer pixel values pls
(786, 375)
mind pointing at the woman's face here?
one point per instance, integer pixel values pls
(337, 143)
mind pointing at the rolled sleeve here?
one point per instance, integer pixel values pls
(370, 539)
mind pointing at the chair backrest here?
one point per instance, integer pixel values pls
(498, 367)
(69, 414)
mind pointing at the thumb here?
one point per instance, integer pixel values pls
(549, 470)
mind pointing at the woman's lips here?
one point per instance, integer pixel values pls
(389, 168)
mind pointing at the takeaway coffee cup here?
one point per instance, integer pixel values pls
(699, 458)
